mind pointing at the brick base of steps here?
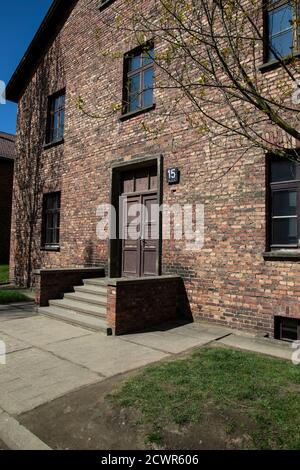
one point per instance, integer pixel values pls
(86, 306)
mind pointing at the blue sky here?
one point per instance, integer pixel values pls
(19, 21)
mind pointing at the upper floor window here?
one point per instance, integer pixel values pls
(282, 30)
(105, 3)
(51, 220)
(284, 177)
(138, 80)
(56, 118)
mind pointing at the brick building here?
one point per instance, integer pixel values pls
(70, 162)
(7, 156)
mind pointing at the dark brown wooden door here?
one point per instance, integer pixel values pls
(131, 239)
(149, 235)
(140, 224)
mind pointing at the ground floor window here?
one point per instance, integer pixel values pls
(51, 220)
(284, 203)
(287, 329)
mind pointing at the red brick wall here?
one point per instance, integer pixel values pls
(52, 284)
(140, 304)
(6, 188)
(228, 281)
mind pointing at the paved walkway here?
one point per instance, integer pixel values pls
(47, 358)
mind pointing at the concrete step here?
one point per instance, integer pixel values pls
(95, 282)
(85, 321)
(90, 289)
(87, 298)
(80, 307)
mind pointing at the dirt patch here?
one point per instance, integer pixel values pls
(217, 431)
(87, 420)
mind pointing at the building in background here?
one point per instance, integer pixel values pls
(7, 157)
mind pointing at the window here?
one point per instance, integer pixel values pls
(284, 177)
(105, 3)
(138, 80)
(281, 27)
(51, 220)
(56, 118)
(287, 329)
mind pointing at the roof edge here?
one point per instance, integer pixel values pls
(55, 17)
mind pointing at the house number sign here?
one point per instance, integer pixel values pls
(173, 175)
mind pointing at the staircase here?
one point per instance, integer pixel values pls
(85, 307)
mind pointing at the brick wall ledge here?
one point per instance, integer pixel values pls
(52, 283)
(133, 280)
(282, 255)
(137, 304)
(37, 272)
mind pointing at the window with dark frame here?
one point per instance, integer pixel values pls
(138, 80)
(104, 3)
(281, 28)
(56, 118)
(284, 199)
(287, 329)
(51, 220)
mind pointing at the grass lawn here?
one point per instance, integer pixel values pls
(4, 277)
(215, 398)
(8, 296)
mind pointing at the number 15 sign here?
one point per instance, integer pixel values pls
(173, 175)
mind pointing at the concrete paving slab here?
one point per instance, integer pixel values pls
(106, 355)
(33, 377)
(13, 344)
(40, 331)
(214, 329)
(3, 446)
(17, 437)
(259, 345)
(17, 311)
(194, 329)
(172, 341)
(26, 306)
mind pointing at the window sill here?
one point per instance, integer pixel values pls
(273, 64)
(292, 254)
(126, 116)
(53, 144)
(54, 248)
(103, 5)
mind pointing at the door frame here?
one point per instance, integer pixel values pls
(117, 169)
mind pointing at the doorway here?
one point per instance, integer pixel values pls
(140, 222)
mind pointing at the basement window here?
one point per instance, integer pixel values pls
(287, 329)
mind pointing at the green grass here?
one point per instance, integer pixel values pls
(260, 390)
(12, 296)
(4, 276)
